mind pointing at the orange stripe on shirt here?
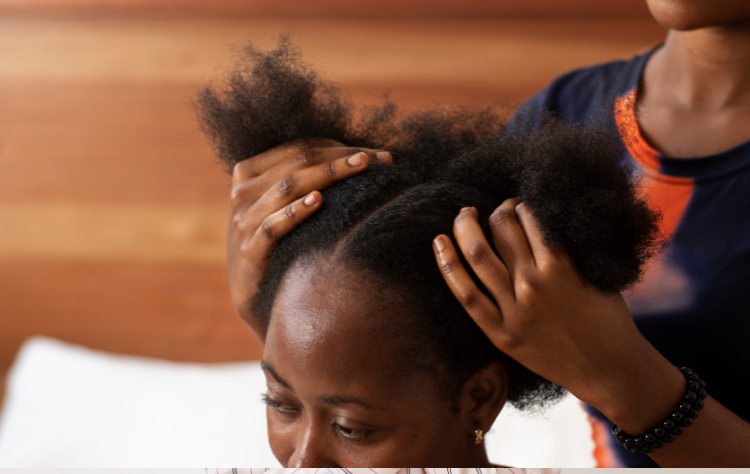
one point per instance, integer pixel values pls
(669, 195)
(600, 433)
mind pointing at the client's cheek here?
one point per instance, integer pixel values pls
(281, 440)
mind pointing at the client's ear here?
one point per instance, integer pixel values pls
(484, 395)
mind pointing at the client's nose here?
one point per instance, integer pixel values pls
(310, 448)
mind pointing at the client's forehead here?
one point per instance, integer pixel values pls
(329, 321)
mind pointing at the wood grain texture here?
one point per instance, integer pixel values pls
(111, 203)
(337, 8)
(177, 311)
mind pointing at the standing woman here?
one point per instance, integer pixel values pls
(692, 309)
(683, 112)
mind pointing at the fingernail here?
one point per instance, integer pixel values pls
(355, 160)
(310, 199)
(384, 157)
(439, 244)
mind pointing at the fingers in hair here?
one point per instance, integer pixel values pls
(299, 183)
(482, 310)
(299, 152)
(277, 225)
(482, 258)
(541, 252)
(294, 156)
(510, 239)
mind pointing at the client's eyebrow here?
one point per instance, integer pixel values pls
(269, 368)
(338, 401)
(328, 399)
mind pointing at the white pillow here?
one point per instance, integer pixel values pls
(69, 406)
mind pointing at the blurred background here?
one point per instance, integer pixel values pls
(112, 205)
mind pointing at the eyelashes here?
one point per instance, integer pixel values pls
(355, 435)
(278, 406)
(264, 398)
(352, 434)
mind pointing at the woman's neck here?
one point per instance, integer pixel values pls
(695, 96)
(708, 68)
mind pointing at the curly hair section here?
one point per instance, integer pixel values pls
(383, 220)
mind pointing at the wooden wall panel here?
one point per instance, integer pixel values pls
(338, 8)
(171, 310)
(111, 203)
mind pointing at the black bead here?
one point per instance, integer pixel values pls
(692, 377)
(659, 444)
(687, 421)
(677, 416)
(702, 394)
(669, 438)
(636, 450)
(693, 413)
(621, 437)
(691, 397)
(659, 432)
(629, 441)
(693, 386)
(684, 407)
(702, 383)
(668, 425)
(678, 430)
(698, 405)
(649, 438)
(639, 441)
(648, 448)
(685, 370)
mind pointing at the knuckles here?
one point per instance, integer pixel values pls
(290, 211)
(448, 266)
(477, 254)
(305, 157)
(243, 170)
(287, 185)
(239, 194)
(462, 216)
(238, 223)
(468, 300)
(501, 217)
(267, 228)
(330, 169)
(527, 284)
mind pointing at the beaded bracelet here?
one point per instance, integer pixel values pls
(673, 426)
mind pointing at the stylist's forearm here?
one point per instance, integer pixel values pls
(648, 389)
(541, 314)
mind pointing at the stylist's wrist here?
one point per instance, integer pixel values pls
(640, 393)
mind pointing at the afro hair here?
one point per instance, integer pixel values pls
(383, 220)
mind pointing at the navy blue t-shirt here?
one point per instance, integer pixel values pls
(693, 304)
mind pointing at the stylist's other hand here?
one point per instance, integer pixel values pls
(273, 192)
(543, 315)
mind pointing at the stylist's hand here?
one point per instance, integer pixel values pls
(544, 316)
(272, 193)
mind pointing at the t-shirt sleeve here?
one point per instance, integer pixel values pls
(578, 96)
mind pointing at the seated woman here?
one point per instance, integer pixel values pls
(370, 359)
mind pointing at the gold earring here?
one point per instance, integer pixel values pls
(478, 436)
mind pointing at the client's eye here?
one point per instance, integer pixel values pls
(355, 435)
(278, 406)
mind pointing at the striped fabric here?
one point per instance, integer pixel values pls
(419, 470)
